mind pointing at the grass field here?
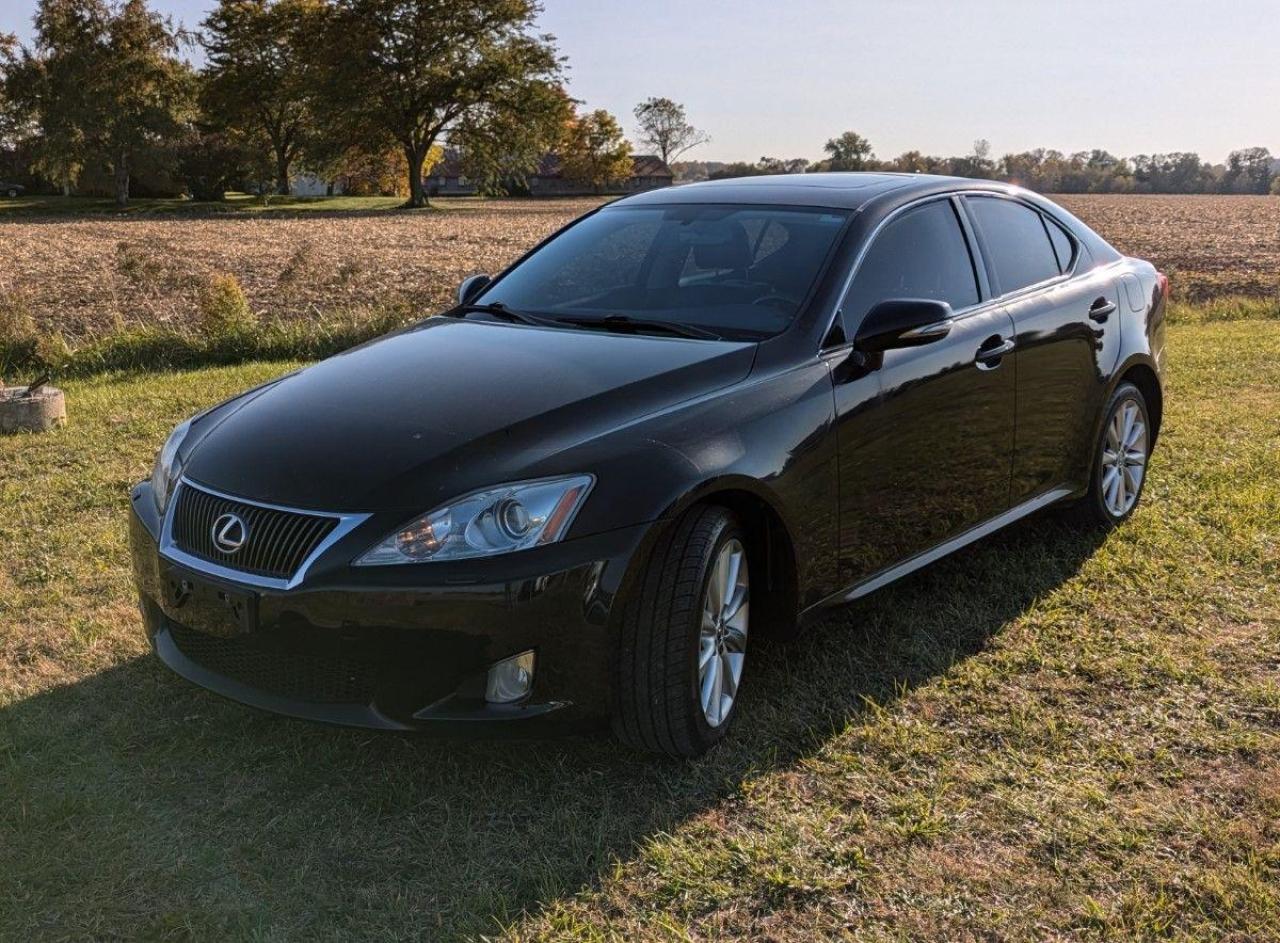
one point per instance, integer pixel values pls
(1053, 734)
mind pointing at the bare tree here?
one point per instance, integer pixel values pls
(664, 127)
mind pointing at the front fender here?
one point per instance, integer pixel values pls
(770, 438)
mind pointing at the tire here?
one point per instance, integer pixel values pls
(1111, 502)
(12, 193)
(660, 701)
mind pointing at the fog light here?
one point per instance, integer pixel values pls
(510, 679)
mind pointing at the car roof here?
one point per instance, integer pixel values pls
(833, 190)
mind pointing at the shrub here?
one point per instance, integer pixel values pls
(16, 323)
(52, 351)
(223, 308)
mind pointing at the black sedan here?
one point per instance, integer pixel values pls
(690, 416)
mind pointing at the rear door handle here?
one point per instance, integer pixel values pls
(1101, 310)
(988, 358)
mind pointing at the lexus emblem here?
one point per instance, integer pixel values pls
(229, 533)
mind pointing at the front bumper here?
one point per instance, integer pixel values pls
(403, 647)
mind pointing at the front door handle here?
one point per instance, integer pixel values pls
(1101, 310)
(988, 358)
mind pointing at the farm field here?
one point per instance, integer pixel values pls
(1055, 734)
(88, 275)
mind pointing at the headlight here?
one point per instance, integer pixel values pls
(168, 468)
(486, 523)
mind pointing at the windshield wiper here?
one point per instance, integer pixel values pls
(499, 310)
(624, 324)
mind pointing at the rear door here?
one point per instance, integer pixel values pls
(925, 439)
(1067, 337)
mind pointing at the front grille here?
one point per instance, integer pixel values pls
(278, 542)
(315, 679)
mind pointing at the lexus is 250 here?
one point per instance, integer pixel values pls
(690, 416)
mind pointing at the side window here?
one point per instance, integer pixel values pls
(1015, 237)
(921, 254)
(1063, 244)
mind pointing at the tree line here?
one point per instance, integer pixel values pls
(1249, 170)
(373, 90)
(378, 91)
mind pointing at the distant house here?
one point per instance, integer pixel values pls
(447, 179)
(309, 184)
(647, 173)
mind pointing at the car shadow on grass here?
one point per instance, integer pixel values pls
(139, 805)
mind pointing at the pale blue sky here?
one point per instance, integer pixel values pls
(780, 77)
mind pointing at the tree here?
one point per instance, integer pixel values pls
(500, 152)
(49, 83)
(257, 77)
(10, 116)
(418, 73)
(1248, 171)
(664, 127)
(594, 150)
(102, 81)
(144, 91)
(850, 151)
(781, 165)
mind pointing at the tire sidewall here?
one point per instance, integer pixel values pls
(726, 530)
(1126, 392)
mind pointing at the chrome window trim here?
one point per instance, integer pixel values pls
(983, 304)
(174, 554)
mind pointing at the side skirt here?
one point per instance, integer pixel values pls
(924, 558)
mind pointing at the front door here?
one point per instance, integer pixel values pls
(925, 437)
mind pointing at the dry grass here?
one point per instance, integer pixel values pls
(86, 276)
(1209, 246)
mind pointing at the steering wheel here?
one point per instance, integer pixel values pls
(777, 300)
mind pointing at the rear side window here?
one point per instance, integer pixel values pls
(1063, 244)
(921, 254)
(1015, 238)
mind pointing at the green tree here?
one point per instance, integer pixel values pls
(417, 73)
(100, 81)
(594, 150)
(49, 83)
(850, 151)
(1248, 171)
(256, 76)
(143, 93)
(665, 128)
(500, 150)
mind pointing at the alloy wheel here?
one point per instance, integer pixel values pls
(722, 641)
(1124, 458)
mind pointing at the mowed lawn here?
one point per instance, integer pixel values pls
(1053, 734)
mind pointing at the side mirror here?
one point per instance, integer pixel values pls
(472, 286)
(904, 322)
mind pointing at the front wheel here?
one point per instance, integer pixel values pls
(1120, 463)
(682, 641)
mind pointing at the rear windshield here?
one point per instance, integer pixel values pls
(735, 271)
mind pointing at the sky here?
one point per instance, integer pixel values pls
(780, 77)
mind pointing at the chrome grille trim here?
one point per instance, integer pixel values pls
(282, 524)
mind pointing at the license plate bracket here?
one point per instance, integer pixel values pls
(209, 606)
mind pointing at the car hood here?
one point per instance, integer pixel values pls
(420, 416)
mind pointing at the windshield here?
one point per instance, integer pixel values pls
(735, 271)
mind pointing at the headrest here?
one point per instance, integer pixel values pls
(721, 245)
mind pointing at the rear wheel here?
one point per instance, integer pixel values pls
(682, 640)
(1120, 466)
